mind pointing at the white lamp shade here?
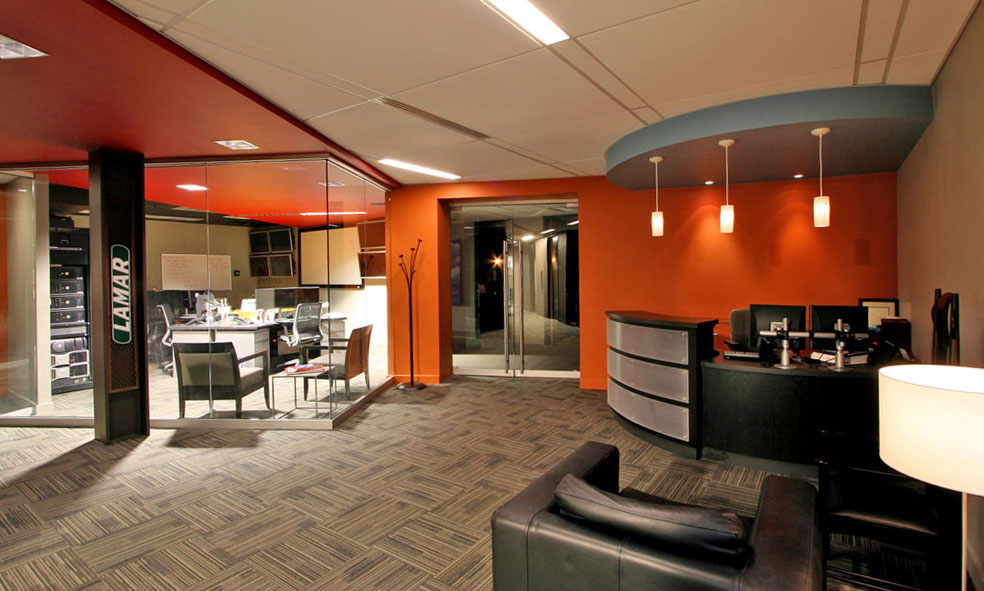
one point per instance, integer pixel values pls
(821, 211)
(727, 219)
(930, 420)
(657, 223)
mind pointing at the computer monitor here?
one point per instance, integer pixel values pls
(762, 317)
(824, 318)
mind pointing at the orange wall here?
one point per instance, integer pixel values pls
(4, 333)
(774, 256)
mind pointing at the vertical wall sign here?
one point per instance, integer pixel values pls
(119, 265)
(119, 328)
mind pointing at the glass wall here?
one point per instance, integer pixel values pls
(266, 295)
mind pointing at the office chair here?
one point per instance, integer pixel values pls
(346, 358)
(212, 371)
(740, 322)
(946, 328)
(307, 325)
(167, 366)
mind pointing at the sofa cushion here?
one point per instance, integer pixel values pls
(682, 528)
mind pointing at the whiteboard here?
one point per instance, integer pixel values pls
(330, 256)
(196, 272)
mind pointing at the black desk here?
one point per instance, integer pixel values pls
(771, 413)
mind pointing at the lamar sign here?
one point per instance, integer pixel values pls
(120, 290)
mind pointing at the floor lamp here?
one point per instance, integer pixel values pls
(930, 421)
(409, 271)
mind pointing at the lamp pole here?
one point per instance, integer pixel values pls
(409, 271)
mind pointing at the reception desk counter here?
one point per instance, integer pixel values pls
(654, 378)
(775, 414)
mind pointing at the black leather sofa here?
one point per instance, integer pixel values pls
(538, 547)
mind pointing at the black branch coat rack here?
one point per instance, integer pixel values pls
(409, 271)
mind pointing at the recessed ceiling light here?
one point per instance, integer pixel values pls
(331, 184)
(798, 176)
(548, 230)
(237, 145)
(574, 223)
(528, 237)
(708, 182)
(420, 169)
(11, 49)
(530, 19)
(193, 187)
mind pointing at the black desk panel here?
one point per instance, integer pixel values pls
(774, 414)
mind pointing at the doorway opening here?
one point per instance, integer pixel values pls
(515, 294)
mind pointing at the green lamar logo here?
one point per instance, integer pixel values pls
(120, 275)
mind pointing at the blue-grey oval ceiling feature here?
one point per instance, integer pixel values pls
(873, 129)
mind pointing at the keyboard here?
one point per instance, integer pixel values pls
(742, 355)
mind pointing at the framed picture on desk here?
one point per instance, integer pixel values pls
(879, 308)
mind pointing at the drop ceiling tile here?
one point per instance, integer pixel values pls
(542, 171)
(648, 115)
(210, 41)
(879, 28)
(374, 128)
(380, 44)
(915, 69)
(589, 167)
(833, 78)
(302, 97)
(932, 25)
(575, 54)
(579, 17)
(714, 46)
(871, 72)
(146, 11)
(532, 91)
(578, 140)
(468, 159)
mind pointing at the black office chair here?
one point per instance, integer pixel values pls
(167, 365)
(739, 320)
(859, 495)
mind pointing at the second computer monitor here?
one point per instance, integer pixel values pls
(762, 317)
(824, 318)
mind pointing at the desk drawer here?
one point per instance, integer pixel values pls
(653, 378)
(663, 344)
(661, 417)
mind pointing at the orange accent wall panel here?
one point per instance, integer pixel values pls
(775, 255)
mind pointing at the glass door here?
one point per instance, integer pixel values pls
(515, 305)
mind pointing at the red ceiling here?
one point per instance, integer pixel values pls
(285, 189)
(110, 81)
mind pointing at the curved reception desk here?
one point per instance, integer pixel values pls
(776, 414)
(654, 377)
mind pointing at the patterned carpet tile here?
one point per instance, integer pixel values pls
(399, 498)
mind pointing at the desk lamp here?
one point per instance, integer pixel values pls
(930, 420)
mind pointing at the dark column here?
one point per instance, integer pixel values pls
(116, 242)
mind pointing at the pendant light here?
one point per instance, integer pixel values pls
(821, 203)
(657, 217)
(727, 210)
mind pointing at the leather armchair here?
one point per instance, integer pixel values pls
(535, 547)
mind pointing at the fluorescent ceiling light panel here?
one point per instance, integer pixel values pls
(237, 145)
(528, 237)
(193, 187)
(420, 169)
(574, 223)
(531, 20)
(173, 218)
(548, 230)
(331, 184)
(11, 49)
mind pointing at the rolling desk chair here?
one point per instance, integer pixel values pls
(306, 328)
(167, 366)
(740, 321)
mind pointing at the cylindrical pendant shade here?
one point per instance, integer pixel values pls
(727, 219)
(657, 222)
(821, 211)
(929, 422)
